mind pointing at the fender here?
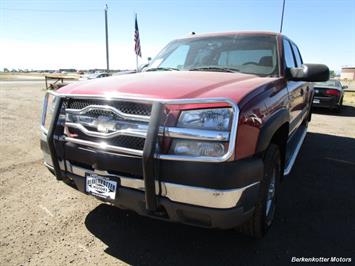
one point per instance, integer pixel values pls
(270, 127)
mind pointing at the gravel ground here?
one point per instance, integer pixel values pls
(44, 222)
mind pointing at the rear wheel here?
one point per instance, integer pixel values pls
(265, 207)
(340, 106)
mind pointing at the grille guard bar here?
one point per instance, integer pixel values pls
(149, 151)
(148, 157)
(230, 154)
(50, 138)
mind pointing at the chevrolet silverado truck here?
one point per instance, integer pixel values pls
(203, 136)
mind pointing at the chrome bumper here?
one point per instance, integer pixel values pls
(212, 198)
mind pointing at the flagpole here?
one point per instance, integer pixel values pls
(106, 31)
(137, 62)
(135, 19)
(137, 45)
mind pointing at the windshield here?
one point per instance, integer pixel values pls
(237, 53)
(329, 83)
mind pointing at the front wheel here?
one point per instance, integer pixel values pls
(265, 207)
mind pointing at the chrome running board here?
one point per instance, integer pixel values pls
(292, 159)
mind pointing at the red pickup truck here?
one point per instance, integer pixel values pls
(202, 136)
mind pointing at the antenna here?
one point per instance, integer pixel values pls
(282, 15)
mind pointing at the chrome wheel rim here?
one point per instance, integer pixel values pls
(271, 194)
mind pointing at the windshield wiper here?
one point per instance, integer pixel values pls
(162, 69)
(213, 68)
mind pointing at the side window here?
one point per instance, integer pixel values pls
(177, 58)
(290, 62)
(240, 57)
(297, 55)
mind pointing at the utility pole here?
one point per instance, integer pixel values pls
(282, 16)
(106, 30)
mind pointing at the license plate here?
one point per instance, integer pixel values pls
(101, 186)
(316, 101)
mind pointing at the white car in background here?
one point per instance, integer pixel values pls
(95, 76)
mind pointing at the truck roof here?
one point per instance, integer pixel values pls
(216, 34)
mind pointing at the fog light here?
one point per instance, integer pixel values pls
(197, 148)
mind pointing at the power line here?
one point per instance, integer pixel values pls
(51, 10)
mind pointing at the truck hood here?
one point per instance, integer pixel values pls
(171, 85)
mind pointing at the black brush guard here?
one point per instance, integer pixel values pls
(148, 160)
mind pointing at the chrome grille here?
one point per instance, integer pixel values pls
(114, 116)
(96, 113)
(120, 141)
(131, 129)
(125, 107)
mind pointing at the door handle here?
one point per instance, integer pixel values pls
(302, 92)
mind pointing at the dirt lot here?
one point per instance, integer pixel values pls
(44, 222)
(349, 98)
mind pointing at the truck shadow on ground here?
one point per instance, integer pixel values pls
(347, 111)
(315, 218)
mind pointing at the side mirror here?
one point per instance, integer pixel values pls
(345, 87)
(310, 72)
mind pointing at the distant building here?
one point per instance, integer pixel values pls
(347, 73)
(67, 70)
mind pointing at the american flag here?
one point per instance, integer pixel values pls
(137, 42)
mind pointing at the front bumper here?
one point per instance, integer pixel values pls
(198, 203)
(171, 210)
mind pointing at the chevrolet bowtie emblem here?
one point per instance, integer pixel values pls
(104, 124)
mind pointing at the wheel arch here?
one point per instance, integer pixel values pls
(275, 130)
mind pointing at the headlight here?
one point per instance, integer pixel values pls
(215, 119)
(205, 119)
(48, 110)
(197, 148)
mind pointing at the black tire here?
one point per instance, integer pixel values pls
(340, 106)
(261, 220)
